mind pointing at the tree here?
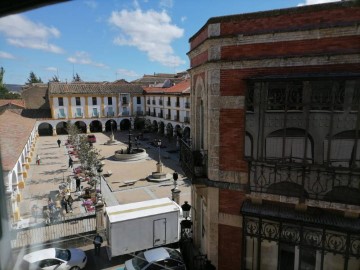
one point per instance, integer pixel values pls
(76, 78)
(33, 78)
(55, 79)
(5, 93)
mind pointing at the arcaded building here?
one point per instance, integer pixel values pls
(274, 158)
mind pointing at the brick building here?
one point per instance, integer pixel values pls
(275, 154)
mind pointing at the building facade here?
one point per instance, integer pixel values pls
(274, 155)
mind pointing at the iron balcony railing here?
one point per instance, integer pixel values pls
(176, 118)
(153, 102)
(110, 114)
(153, 114)
(177, 104)
(193, 163)
(186, 119)
(139, 113)
(168, 103)
(125, 102)
(160, 115)
(148, 113)
(187, 105)
(61, 116)
(160, 102)
(331, 184)
(168, 116)
(125, 113)
(78, 115)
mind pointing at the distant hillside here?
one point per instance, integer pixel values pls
(15, 88)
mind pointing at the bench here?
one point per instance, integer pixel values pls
(130, 182)
(108, 173)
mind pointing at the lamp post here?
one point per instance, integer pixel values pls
(175, 191)
(186, 224)
(158, 142)
(100, 170)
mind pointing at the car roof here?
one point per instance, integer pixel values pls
(40, 255)
(157, 254)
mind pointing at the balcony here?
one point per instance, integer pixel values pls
(193, 163)
(95, 115)
(168, 116)
(160, 115)
(139, 113)
(78, 115)
(176, 118)
(148, 113)
(186, 119)
(160, 102)
(110, 114)
(125, 103)
(177, 104)
(314, 182)
(61, 116)
(125, 113)
(168, 103)
(148, 102)
(153, 102)
(153, 114)
(187, 105)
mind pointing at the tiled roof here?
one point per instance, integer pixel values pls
(182, 87)
(16, 102)
(92, 88)
(313, 216)
(14, 133)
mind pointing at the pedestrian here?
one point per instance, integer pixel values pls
(59, 142)
(97, 243)
(47, 215)
(78, 182)
(37, 159)
(64, 204)
(69, 202)
(34, 212)
(71, 162)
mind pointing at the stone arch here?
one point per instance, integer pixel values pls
(110, 125)
(95, 126)
(178, 131)
(186, 133)
(125, 124)
(343, 194)
(81, 125)
(45, 129)
(288, 189)
(200, 114)
(155, 126)
(161, 127)
(61, 128)
(293, 148)
(169, 129)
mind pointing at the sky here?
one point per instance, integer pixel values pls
(108, 40)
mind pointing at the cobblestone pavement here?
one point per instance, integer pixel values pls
(44, 180)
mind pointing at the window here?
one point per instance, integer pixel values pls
(94, 100)
(109, 100)
(124, 100)
(138, 100)
(77, 101)
(61, 101)
(61, 113)
(78, 112)
(95, 112)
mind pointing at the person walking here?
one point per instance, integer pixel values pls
(69, 201)
(37, 159)
(64, 204)
(59, 142)
(97, 243)
(47, 215)
(71, 162)
(78, 183)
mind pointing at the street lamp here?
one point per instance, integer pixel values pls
(100, 170)
(186, 209)
(158, 142)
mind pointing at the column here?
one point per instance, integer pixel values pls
(70, 114)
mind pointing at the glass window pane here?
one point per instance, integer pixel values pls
(269, 256)
(333, 261)
(354, 264)
(251, 253)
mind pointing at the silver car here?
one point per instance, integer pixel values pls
(55, 258)
(156, 259)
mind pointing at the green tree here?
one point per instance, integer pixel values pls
(4, 92)
(76, 78)
(55, 79)
(33, 78)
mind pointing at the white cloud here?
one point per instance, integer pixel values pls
(52, 69)
(313, 2)
(6, 55)
(166, 3)
(22, 32)
(183, 18)
(91, 3)
(127, 73)
(83, 58)
(150, 32)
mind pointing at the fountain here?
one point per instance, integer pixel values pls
(130, 153)
(159, 175)
(112, 140)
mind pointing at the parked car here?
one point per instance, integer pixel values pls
(55, 258)
(91, 138)
(156, 259)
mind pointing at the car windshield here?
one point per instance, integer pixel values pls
(63, 254)
(174, 254)
(139, 262)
